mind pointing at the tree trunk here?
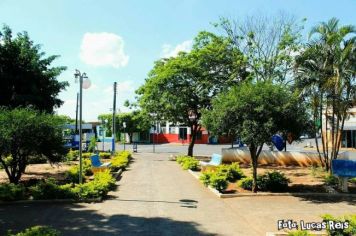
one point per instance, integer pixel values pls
(254, 167)
(194, 129)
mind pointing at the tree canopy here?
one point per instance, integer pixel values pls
(136, 121)
(180, 86)
(325, 74)
(269, 44)
(24, 134)
(26, 76)
(256, 111)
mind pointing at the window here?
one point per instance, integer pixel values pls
(182, 133)
(199, 135)
(172, 130)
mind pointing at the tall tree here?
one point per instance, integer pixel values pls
(326, 75)
(24, 134)
(136, 121)
(256, 111)
(269, 44)
(26, 76)
(179, 88)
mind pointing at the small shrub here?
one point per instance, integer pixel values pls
(105, 179)
(271, 181)
(120, 160)
(72, 175)
(37, 159)
(232, 172)
(48, 189)
(351, 230)
(181, 159)
(218, 182)
(103, 182)
(299, 233)
(87, 167)
(92, 145)
(205, 178)
(72, 155)
(86, 155)
(246, 183)
(105, 155)
(317, 171)
(87, 190)
(353, 180)
(37, 231)
(331, 180)
(190, 163)
(12, 192)
(274, 181)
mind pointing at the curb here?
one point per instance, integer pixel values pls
(117, 174)
(231, 195)
(51, 201)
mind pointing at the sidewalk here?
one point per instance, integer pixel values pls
(156, 197)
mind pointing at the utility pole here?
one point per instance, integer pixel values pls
(113, 120)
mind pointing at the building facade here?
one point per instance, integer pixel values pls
(169, 133)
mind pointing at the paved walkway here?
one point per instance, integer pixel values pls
(156, 197)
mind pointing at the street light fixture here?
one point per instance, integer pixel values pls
(192, 115)
(124, 125)
(84, 83)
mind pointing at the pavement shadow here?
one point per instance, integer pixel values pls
(327, 199)
(75, 219)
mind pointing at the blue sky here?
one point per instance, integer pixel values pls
(120, 40)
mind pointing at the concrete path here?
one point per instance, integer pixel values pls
(156, 197)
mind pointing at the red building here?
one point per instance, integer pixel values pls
(182, 134)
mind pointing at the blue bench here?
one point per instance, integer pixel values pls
(97, 165)
(216, 160)
(344, 169)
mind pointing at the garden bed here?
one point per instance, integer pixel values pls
(231, 180)
(41, 171)
(59, 183)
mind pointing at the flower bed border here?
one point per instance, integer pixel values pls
(231, 195)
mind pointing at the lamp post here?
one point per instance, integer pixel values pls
(104, 122)
(114, 119)
(124, 125)
(84, 83)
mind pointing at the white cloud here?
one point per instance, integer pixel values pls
(103, 49)
(125, 86)
(171, 51)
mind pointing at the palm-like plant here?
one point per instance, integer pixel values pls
(326, 74)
